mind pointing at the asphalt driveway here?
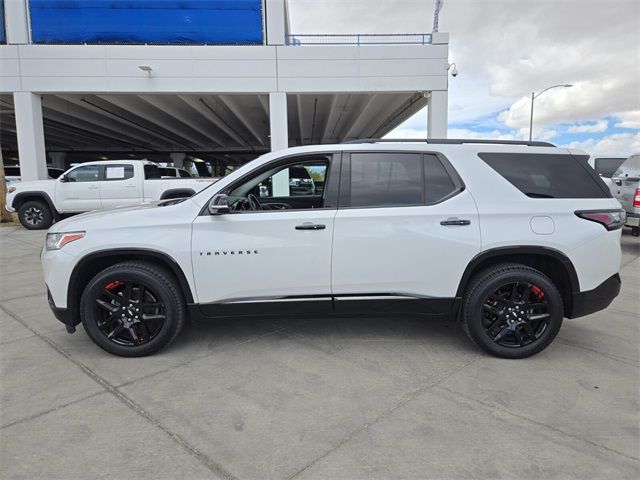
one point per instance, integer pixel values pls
(335, 398)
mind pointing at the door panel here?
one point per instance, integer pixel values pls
(404, 250)
(119, 186)
(261, 256)
(81, 190)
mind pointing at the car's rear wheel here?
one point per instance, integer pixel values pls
(35, 215)
(512, 311)
(133, 309)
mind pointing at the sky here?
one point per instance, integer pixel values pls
(506, 49)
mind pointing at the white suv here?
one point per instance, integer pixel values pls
(506, 237)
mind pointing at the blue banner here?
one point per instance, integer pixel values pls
(3, 39)
(193, 22)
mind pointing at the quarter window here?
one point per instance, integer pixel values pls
(386, 180)
(438, 182)
(547, 175)
(88, 173)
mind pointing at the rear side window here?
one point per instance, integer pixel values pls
(118, 172)
(151, 172)
(547, 175)
(386, 179)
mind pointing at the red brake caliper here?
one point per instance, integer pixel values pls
(537, 291)
(112, 285)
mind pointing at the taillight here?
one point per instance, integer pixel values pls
(609, 219)
(636, 198)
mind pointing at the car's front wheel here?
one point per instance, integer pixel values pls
(35, 215)
(512, 311)
(133, 309)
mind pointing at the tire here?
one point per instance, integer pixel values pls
(635, 231)
(35, 215)
(133, 309)
(532, 323)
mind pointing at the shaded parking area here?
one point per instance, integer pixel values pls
(338, 398)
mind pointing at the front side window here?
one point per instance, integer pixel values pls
(297, 185)
(386, 180)
(88, 173)
(118, 172)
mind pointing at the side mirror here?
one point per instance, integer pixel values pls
(219, 204)
(63, 178)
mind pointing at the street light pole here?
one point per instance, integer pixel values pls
(536, 95)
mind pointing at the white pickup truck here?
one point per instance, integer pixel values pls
(94, 186)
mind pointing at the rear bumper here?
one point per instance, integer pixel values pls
(65, 315)
(633, 219)
(585, 303)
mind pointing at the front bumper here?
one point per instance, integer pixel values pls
(65, 315)
(585, 303)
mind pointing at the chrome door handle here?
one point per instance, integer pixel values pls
(92, 187)
(310, 226)
(455, 222)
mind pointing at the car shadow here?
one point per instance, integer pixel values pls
(328, 333)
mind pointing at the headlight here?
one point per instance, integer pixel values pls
(11, 189)
(55, 241)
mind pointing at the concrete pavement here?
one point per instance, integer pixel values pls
(334, 398)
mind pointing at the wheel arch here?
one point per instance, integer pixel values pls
(177, 193)
(551, 262)
(95, 262)
(23, 197)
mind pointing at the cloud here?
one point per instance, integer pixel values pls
(629, 119)
(597, 127)
(506, 49)
(618, 144)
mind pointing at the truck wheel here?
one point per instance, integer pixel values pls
(132, 309)
(635, 231)
(512, 311)
(35, 215)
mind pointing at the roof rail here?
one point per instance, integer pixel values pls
(450, 141)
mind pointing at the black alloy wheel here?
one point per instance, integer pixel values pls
(129, 313)
(512, 310)
(133, 309)
(516, 314)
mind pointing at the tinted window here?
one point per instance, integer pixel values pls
(386, 179)
(184, 173)
(607, 166)
(118, 172)
(546, 176)
(88, 173)
(167, 172)
(438, 182)
(151, 171)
